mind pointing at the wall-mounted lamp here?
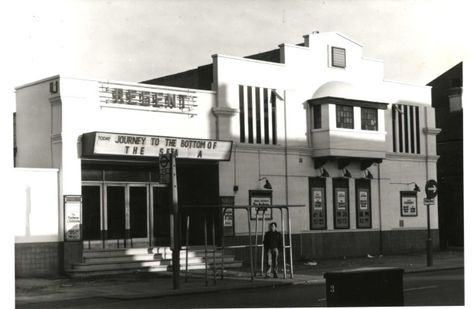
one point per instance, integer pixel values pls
(324, 173)
(368, 174)
(415, 187)
(347, 173)
(236, 188)
(267, 184)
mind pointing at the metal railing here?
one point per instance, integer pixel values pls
(253, 239)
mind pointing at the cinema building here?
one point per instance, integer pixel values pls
(313, 124)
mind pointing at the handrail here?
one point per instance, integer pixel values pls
(251, 246)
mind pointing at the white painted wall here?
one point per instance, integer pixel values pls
(305, 69)
(35, 205)
(34, 125)
(49, 129)
(50, 126)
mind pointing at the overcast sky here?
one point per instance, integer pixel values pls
(141, 39)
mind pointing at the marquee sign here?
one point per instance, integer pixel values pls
(131, 145)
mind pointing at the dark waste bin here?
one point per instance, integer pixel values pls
(371, 286)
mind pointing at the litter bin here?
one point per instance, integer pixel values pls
(371, 286)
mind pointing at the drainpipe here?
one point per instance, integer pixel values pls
(380, 210)
(286, 149)
(426, 142)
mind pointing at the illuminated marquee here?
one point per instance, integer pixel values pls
(112, 144)
(155, 99)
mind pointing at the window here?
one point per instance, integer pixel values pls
(406, 128)
(455, 103)
(344, 117)
(368, 119)
(258, 115)
(338, 57)
(316, 116)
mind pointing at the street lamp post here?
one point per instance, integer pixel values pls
(429, 241)
(431, 190)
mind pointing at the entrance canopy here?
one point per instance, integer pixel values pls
(104, 144)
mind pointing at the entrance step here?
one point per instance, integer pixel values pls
(124, 260)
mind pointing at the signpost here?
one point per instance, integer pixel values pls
(165, 168)
(431, 190)
(167, 164)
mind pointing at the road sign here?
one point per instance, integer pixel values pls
(428, 201)
(165, 168)
(431, 188)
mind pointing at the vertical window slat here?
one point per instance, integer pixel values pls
(408, 129)
(258, 115)
(412, 131)
(405, 121)
(417, 128)
(266, 125)
(274, 117)
(242, 114)
(250, 114)
(400, 128)
(394, 128)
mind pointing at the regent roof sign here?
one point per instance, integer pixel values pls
(97, 144)
(162, 100)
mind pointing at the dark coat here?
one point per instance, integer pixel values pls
(272, 240)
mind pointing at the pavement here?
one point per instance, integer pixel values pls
(141, 285)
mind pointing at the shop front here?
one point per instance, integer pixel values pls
(126, 198)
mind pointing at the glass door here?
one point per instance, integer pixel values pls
(122, 215)
(137, 213)
(161, 215)
(115, 215)
(92, 227)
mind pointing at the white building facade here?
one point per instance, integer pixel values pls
(316, 120)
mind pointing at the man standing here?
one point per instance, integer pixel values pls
(272, 243)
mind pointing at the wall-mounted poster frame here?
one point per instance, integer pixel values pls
(408, 204)
(260, 198)
(341, 203)
(317, 202)
(228, 215)
(72, 217)
(363, 203)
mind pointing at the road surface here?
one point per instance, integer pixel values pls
(437, 288)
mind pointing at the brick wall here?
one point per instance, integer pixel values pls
(349, 244)
(38, 259)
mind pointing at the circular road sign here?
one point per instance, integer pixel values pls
(431, 188)
(164, 161)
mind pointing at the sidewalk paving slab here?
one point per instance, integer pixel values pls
(151, 285)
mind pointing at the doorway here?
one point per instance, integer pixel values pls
(125, 205)
(116, 215)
